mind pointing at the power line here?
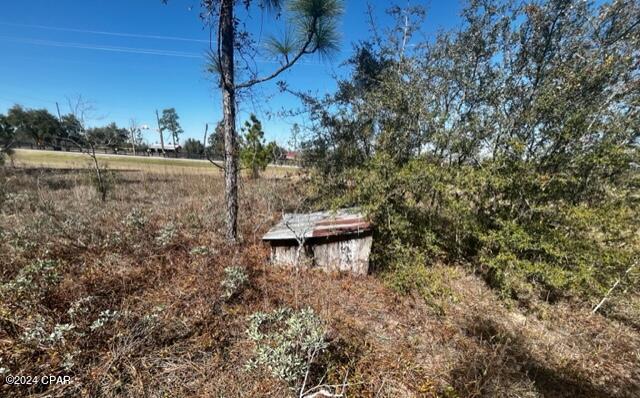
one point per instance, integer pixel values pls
(130, 50)
(100, 32)
(133, 50)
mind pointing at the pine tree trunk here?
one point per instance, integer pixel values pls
(229, 118)
(175, 151)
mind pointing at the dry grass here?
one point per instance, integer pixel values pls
(159, 268)
(74, 160)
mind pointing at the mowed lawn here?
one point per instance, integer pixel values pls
(54, 159)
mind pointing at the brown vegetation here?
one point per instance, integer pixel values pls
(127, 297)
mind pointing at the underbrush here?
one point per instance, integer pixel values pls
(141, 296)
(528, 236)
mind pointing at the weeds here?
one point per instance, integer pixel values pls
(286, 342)
(102, 179)
(234, 279)
(199, 251)
(136, 219)
(80, 307)
(33, 280)
(166, 235)
(105, 317)
(75, 299)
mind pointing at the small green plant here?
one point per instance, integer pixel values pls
(34, 279)
(234, 279)
(104, 318)
(79, 307)
(67, 361)
(136, 219)
(199, 251)
(37, 335)
(286, 342)
(59, 331)
(167, 233)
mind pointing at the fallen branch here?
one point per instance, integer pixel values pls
(606, 296)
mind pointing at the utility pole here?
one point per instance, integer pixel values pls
(58, 109)
(161, 137)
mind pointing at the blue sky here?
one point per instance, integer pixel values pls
(130, 58)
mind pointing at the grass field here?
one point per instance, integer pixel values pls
(52, 159)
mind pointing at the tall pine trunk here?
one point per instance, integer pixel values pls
(229, 118)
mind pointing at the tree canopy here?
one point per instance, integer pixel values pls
(255, 154)
(111, 136)
(510, 143)
(36, 125)
(215, 142)
(170, 121)
(7, 137)
(193, 147)
(40, 128)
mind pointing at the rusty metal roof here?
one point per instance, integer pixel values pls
(318, 225)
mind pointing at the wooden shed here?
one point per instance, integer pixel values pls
(333, 240)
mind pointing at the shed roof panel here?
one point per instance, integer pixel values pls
(296, 226)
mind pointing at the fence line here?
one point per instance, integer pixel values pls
(146, 152)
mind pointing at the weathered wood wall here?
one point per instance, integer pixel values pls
(350, 255)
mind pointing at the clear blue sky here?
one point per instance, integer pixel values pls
(51, 50)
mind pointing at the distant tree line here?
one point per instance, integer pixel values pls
(40, 129)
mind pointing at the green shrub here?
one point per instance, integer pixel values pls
(199, 251)
(527, 233)
(286, 342)
(167, 235)
(104, 317)
(412, 272)
(34, 280)
(523, 170)
(234, 279)
(560, 249)
(136, 219)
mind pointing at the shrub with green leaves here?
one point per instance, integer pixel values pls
(136, 219)
(234, 279)
(527, 235)
(516, 154)
(105, 317)
(36, 334)
(167, 235)
(34, 280)
(199, 251)
(286, 342)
